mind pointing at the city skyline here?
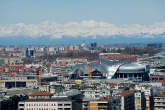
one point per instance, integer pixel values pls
(82, 55)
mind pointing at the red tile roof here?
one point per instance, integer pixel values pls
(161, 95)
(41, 93)
(125, 93)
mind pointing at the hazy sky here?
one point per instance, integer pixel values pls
(86, 19)
(62, 11)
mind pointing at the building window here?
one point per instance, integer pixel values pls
(66, 104)
(59, 104)
(21, 104)
(67, 108)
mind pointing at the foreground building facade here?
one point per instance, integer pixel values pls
(46, 104)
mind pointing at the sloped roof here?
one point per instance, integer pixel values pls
(125, 93)
(41, 93)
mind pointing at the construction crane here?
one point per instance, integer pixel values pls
(39, 77)
(89, 73)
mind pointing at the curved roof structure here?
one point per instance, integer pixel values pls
(107, 67)
(83, 68)
(132, 67)
(110, 68)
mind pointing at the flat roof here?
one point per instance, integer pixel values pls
(48, 100)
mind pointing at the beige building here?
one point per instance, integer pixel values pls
(45, 104)
(140, 103)
(159, 102)
(148, 92)
(99, 105)
(44, 100)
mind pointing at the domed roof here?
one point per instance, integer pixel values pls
(132, 67)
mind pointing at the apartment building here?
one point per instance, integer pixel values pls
(126, 100)
(45, 104)
(159, 102)
(140, 103)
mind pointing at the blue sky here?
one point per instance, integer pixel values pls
(82, 19)
(63, 11)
